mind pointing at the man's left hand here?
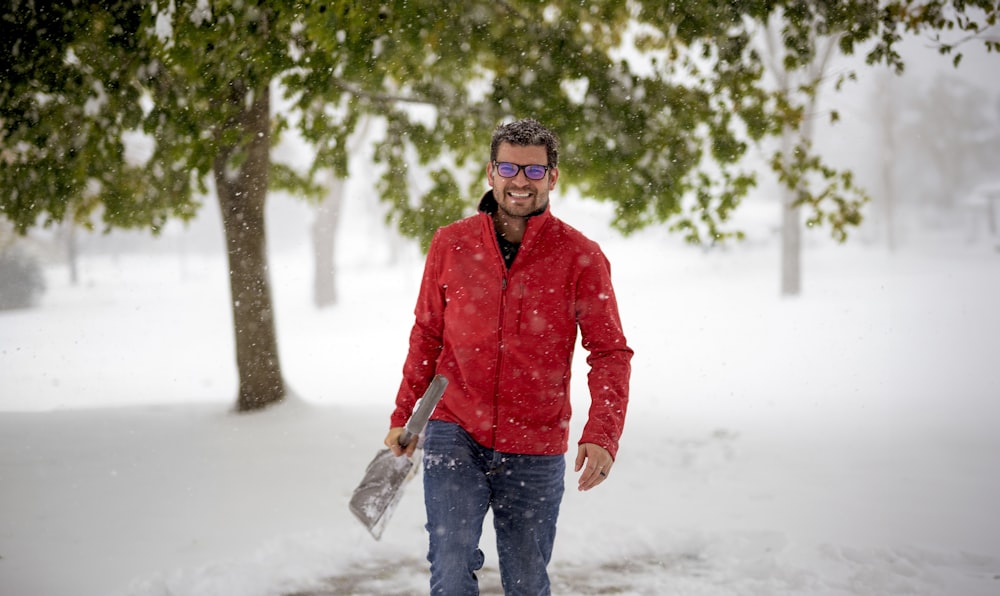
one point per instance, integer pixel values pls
(596, 462)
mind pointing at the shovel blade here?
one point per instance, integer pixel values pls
(379, 492)
(376, 497)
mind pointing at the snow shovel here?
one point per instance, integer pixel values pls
(376, 497)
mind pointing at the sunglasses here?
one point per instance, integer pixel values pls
(509, 170)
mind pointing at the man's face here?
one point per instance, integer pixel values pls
(520, 196)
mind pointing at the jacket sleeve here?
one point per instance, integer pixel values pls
(609, 354)
(426, 336)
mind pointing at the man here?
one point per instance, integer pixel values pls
(502, 296)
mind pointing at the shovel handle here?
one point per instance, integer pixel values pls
(423, 412)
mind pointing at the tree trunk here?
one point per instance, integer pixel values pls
(791, 228)
(324, 235)
(791, 246)
(888, 123)
(242, 195)
(73, 253)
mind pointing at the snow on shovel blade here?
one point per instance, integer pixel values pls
(379, 492)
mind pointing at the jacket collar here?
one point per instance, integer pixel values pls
(488, 206)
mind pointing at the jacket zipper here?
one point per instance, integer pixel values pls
(502, 315)
(499, 361)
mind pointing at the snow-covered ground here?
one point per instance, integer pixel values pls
(843, 442)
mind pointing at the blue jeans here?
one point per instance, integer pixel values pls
(462, 480)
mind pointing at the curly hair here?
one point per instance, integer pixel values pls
(526, 132)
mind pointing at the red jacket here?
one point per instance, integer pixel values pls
(505, 338)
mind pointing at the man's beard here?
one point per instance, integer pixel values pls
(509, 213)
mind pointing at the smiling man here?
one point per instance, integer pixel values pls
(503, 295)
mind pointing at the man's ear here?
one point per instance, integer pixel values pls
(489, 174)
(553, 176)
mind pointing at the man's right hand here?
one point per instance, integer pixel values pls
(392, 442)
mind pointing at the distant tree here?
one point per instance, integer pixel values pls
(887, 104)
(662, 137)
(799, 78)
(325, 225)
(21, 281)
(324, 234)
